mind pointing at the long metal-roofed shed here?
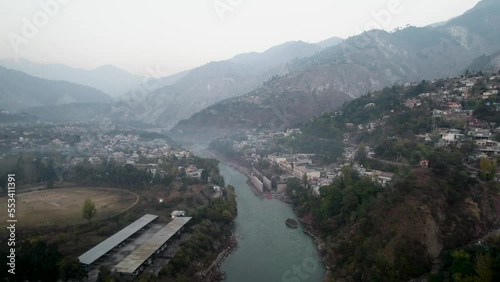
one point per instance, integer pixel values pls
(132, 262)
(107, 245)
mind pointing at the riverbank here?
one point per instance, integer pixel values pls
(213, 272)
(320, 245)
(233, 164)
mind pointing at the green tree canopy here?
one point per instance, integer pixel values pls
(88, 209)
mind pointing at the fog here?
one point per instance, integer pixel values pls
(176, 35)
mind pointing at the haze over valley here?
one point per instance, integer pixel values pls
(250, 140)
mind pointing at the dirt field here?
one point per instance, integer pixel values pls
(62, 207)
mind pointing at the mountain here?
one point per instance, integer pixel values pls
(208, 84)
(20, 91)
(70, 112)
(109, 79)
(333, 41)
(275, 56)
(486, 63)
(360, 64)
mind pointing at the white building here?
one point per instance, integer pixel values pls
(176, 214)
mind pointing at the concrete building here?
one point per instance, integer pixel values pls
(257, 183)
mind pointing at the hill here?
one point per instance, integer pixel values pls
(70, 112)
(208, 84)
(360, 64)
(486, 63)
(394, 185)
(109, 79)
(21, 91)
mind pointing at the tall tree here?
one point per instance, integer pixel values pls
(88, 209)
(204, 176)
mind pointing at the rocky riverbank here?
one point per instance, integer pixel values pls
(213, 272)
(309, 230)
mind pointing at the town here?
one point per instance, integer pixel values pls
(66, 145)
(459, 113)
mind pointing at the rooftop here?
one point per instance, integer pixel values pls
(107, 245)
(178, 213)
(133, 261)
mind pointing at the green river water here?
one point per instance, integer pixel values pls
(268, 250)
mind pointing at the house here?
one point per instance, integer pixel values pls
(410, 103)
(478, 123)
(95, 160)
(437, 113)
(194, 174)
(384, 177)
(176, 214)
(452, 137)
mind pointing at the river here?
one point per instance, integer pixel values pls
(268, 250)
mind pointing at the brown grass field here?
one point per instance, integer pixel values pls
(63, 207)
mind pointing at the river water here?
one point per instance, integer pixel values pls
(268, 250)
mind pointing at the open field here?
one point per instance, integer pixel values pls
(62, 207)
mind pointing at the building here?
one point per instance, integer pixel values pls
(92, 255)
(143, 255)
(176, 214)
(257, 183)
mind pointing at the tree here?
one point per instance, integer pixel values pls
(361, 154)
(38, 261)
(484, 265)
(88, 209)
(488, 169)
(105, 274)
(70, 269)
(204, 176)
(305, 180)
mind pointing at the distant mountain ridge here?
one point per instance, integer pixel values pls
(486, 63)
(20, 91)
(368, 62)
(208, 84)
(109, 79)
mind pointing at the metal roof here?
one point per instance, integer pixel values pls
(133, 261)
(107, 245)
(178, 213)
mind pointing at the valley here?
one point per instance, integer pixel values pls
(250, 141)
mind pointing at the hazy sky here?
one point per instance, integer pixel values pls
(173, 35)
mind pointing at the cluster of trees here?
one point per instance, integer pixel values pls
(473, 263)
(488, 169)
(38, 261)
(403, 150)
(351, 216)
(212, 229)
(29, 169)
(487, 110)
(110, 173)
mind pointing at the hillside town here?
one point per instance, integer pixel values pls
(456, 121)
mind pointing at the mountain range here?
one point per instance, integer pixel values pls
(213, 82)
(19, 91)
(367, 62)
(108, 79)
